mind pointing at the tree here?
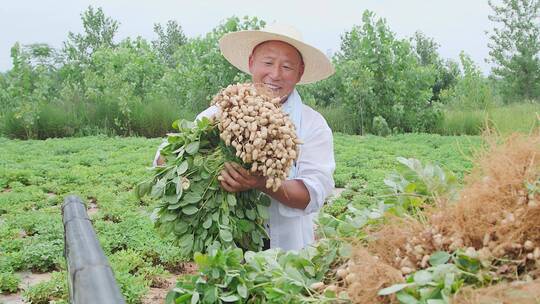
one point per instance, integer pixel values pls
(99, 31)
(426, 49)
(515, 47)
(168, 41)
(472, 90)
(382, 76)
(427, 52)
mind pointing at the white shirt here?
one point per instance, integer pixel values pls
(292, 228)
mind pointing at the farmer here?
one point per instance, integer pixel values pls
(277, 57)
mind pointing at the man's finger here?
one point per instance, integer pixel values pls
(231, 170)
(226, 186)
(241, 171)
(231, 181)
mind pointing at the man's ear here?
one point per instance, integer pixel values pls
(250, 64)
(301, 71)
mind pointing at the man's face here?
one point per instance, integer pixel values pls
(277, 65)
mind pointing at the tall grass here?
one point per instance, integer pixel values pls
(70, 118)
(340, 119)
(521, 117)
(516, 117)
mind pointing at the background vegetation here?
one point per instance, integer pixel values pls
(383, 84)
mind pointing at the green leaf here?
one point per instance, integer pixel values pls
(231, 199)
(171, 296)
(142, 189)
(195, 298)
(406, 298)
(436, 301)
(207, 223)
(345, 250)
(180, 227)
(250, 213)
(186, 242)
(192, 148)
(174, 206)
(230, 298)
(191, 198)
(168, 217)
(256, 237)
(182, 168)
(263, 211)
(393, 289)
(198, 161)
(190, 210)
(158, 189)
(171, 199)
(439, 258)
(205, 175)
(422, 277)
(225, 235)
(242, 290)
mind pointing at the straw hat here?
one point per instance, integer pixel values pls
(236, 47)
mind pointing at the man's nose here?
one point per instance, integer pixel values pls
(275, 73)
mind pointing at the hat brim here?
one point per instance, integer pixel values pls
(236, 47)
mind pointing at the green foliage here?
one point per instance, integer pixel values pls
(99, 31)
(380, 126)
(414, 186)
(462, 122)
(102, 171)
(53, 290)
(472, 90)
(95, 85)
(168, 41)
(363, 162)
(381, 76)
(504, 118)
(436, 284)
(202, 70)
(43, 256)
(9, 282)
(272, 275)
(426, 50)
(134, 274)
(515, 48)
(193, 207)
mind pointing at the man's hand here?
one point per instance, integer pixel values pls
(292, 193)
(234, 178)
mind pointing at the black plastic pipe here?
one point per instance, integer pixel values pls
(91, 279)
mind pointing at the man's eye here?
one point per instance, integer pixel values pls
(288, 68)
(267, 63)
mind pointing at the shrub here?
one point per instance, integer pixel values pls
(380, 126)
(53, 290)
(9, 282)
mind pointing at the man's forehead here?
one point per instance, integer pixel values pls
(267, 45)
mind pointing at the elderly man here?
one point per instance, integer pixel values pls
(277, 58)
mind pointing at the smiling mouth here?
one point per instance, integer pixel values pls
(272, 86)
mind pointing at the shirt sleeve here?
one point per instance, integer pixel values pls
(209, 112)
(316, 167)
